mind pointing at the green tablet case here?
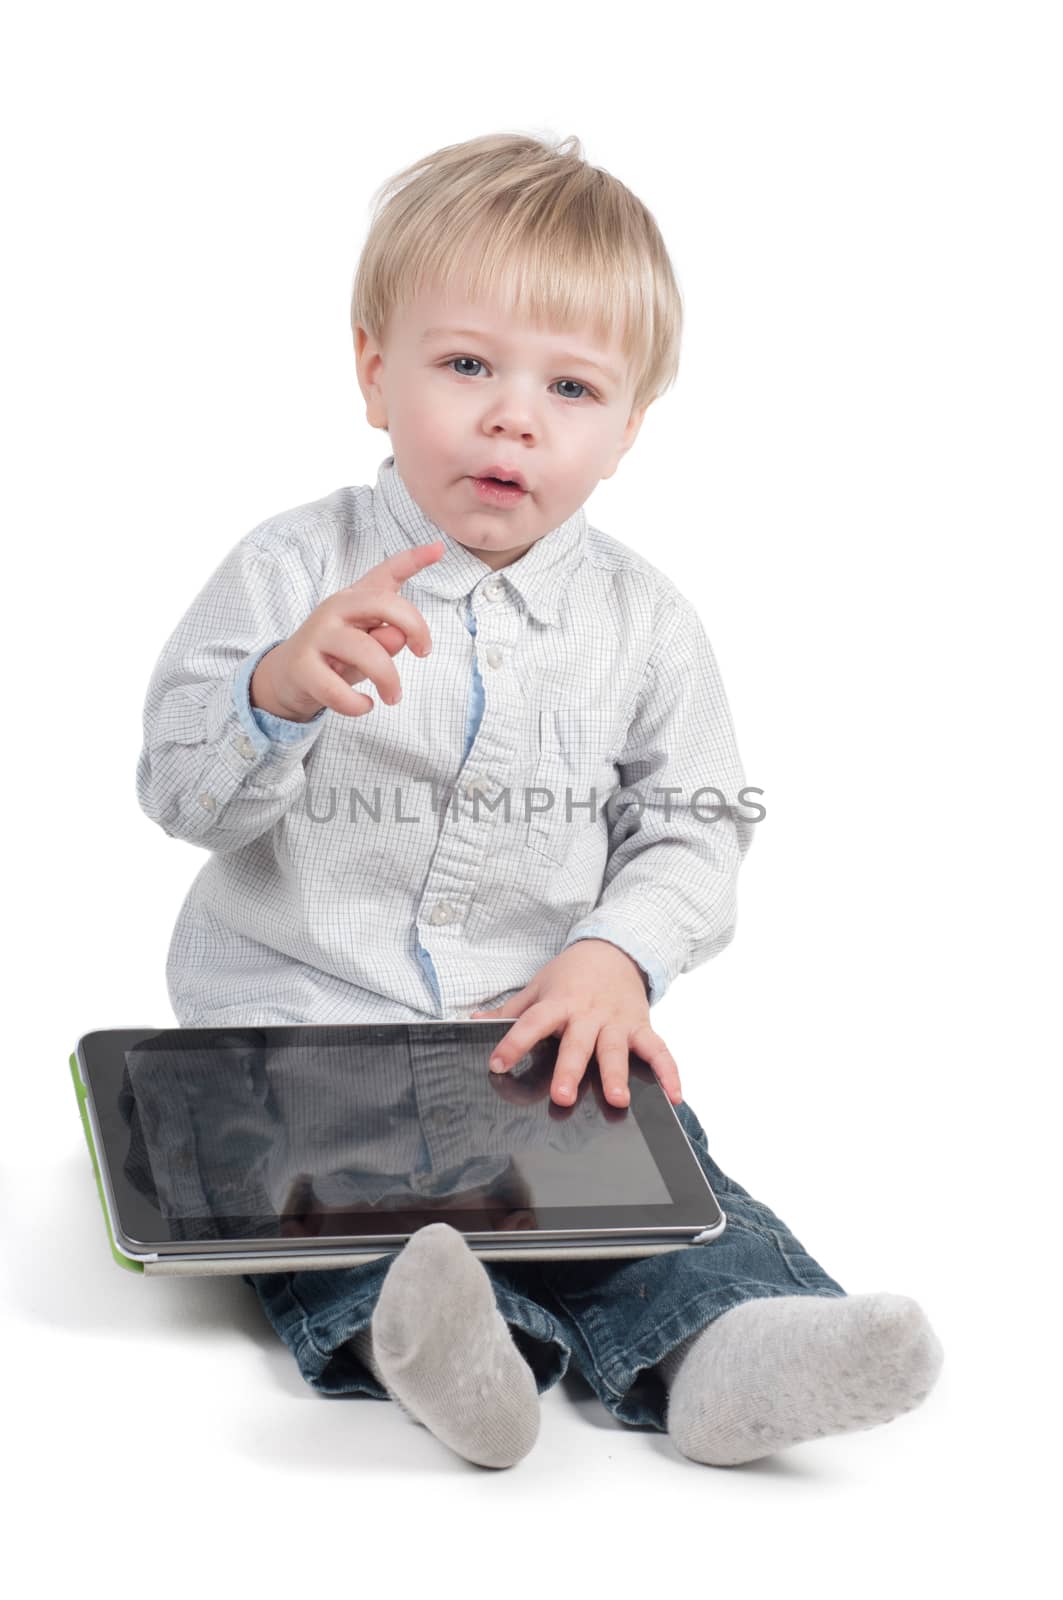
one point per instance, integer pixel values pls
(82, 1094)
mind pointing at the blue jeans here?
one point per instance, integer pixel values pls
(614, 1319)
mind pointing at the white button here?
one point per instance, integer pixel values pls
(495, 656)
(476, 785)
(492, 590)
(245, 747)
(443, 911)
(208, 802)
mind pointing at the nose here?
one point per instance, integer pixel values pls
(512, 414)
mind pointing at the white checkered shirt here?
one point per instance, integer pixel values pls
(547, 776)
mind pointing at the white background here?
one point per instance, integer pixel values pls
(856, 479)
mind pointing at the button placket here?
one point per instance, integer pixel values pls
(476, 784)
(454, 871)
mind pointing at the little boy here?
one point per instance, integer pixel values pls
(544, 822)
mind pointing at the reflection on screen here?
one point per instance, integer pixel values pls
(238, 1135)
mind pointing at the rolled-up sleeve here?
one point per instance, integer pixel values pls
(677, 831)
(213, 769)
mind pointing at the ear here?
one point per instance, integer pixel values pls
(630, 434)
(369, 359)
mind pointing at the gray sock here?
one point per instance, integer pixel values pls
(440, 1346)
(775, 1371)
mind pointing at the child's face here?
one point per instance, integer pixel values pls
(485, 392)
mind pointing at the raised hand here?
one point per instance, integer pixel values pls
(348, 638)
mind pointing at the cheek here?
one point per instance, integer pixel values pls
(430, 424)
(588, 446)
(580, 468)
(439, 420)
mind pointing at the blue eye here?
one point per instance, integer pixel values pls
(476, 362)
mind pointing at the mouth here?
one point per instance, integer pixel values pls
(500, 490)
(497, 473)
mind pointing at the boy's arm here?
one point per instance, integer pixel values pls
(215, 770)
(668, 895)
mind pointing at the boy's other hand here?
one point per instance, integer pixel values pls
(349, 637)
(594, 995)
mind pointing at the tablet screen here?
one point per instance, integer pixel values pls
(331, 1133)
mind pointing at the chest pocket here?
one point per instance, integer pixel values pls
(570, 761)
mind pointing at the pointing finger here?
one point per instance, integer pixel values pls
(403, 565)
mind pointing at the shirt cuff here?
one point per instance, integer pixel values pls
(262, 727)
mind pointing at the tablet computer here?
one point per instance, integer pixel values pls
(259, 1149)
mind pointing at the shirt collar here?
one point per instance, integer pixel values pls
(540, 576)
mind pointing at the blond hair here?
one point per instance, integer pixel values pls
(555, 240)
